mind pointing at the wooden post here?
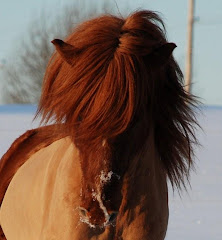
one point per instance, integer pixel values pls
(188, 72)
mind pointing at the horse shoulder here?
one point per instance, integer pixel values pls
(42, 183)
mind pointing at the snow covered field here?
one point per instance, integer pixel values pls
(196, 214)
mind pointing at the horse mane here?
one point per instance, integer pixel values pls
(113, 78)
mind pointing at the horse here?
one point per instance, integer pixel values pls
(116, 125)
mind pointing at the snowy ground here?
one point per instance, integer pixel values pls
(198, 213)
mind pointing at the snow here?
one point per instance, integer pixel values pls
(196, 214)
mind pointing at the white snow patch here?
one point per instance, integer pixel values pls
(86, 220)
(105, 177)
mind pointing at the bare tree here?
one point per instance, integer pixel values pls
(23, 76)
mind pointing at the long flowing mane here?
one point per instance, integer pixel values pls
(108, 77)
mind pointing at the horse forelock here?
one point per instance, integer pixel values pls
(110, 84)
(103, 87)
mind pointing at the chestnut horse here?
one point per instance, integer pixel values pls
(122, 125)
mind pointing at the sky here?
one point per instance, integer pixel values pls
(15, 17)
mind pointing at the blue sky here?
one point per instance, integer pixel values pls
(15, 17)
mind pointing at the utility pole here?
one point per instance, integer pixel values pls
(188, 72)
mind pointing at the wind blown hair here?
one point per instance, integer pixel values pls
(111, 78)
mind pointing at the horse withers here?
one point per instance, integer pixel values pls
(123, 124)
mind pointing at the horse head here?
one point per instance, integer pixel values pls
(107, 84)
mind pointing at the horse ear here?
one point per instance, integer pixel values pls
(66, 51)
(161, 55)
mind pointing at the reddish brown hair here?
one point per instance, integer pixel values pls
(110, 73)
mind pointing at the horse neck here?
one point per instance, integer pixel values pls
(144, 193)
(145, 165)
